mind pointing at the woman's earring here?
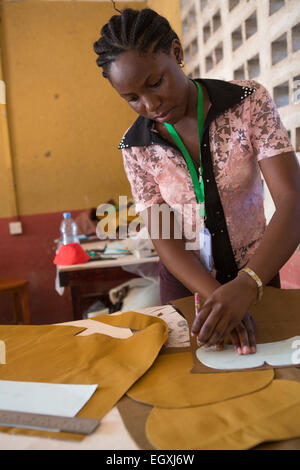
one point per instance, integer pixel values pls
(181, 64)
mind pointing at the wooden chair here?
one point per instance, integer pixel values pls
(18, 289)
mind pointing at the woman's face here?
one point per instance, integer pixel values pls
(153, 84)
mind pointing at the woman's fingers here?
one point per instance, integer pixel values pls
(220, 346)
(236, 341)
(243, 336)
(201, 318)
(210, 330)
(216, 334)
(250, 326)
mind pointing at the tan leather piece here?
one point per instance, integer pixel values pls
(169, 383)
(54, 354)
(270, 414)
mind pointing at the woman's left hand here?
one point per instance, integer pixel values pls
(226, 312)
(243, 337)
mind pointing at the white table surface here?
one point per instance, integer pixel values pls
(120, 261)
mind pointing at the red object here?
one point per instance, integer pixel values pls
(72, 253)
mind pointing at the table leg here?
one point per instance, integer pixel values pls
(76, 303)
(25, 305)
(16, 308)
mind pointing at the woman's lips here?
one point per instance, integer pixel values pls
(163, 117)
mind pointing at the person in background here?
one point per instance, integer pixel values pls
(230, 133)
(87, 222)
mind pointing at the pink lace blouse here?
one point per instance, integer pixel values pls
(239, 138)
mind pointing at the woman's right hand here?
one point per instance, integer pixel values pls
(243, 336)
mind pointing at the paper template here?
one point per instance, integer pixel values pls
(177, 325)
(280, 353)
(44, 398)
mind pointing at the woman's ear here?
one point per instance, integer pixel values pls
(177, 51)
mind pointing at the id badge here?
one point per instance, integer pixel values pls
(205, 248)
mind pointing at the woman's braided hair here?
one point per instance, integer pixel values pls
(140, 30)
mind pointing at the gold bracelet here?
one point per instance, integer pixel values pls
(257, 280)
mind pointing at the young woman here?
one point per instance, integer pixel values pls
(224, 132)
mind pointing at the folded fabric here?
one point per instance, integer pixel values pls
(69, 254)
(270, 414)
(55, 354)
(169, 383)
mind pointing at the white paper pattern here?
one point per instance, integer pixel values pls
(44, 398)
(280, 353)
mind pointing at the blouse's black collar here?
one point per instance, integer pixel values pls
(223, 95)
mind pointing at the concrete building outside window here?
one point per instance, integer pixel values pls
(249, 39)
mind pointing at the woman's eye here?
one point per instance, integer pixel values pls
(134, 99)
(156, 84)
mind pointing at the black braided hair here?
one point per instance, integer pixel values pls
(140, 30)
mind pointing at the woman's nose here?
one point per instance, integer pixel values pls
(151, 103)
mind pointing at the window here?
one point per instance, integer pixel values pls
(219, 52)
(209, 63)
(275, 5)
(192, 16)
(216, 21)
(237, 39)
(279, 49)
(251, 25)
(206, 32)
(296, 37)
(203, 4)
(187, 55)
(196, 72)
(281, 95)
(298, 139)
(239, 74)
(232, 4)
(194, 47)
(185, 25)
(254, 67)
(296, 89)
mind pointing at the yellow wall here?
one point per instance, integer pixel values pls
(7, 191)
(64, 119)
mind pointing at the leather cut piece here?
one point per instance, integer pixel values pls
(169, 383)
(54, 354)
(135, 414)
(270, 414)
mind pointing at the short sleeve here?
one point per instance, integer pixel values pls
(144, 188)
(269, 137)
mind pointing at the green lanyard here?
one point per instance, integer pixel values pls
(198, 185)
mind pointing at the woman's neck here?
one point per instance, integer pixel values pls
(192, 102)
(190, 116)
(191, 108)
